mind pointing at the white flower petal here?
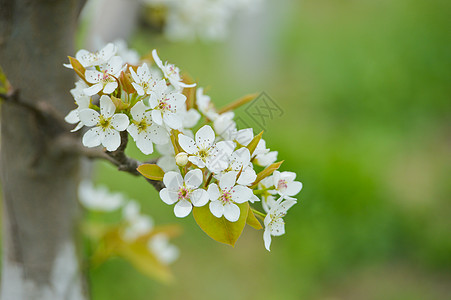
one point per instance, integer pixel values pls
(120, 122)
(247, 176)
(187, 144)
(213, 192)
(197, 161)
(107, 107)
(293, 188)
(110, 87)
(93, 89)
(92, 138)
(231, 212)
(267, 239)
(158, 134)
(156, 117)
(168, 197)
(199, 197)
(133, 130)
(92, 76)
(145, 145)
(157, 59)
(216, 208)
(205, 137)
(227, 180)
(193, 178)
(112, 140)
(72, 117)
(182, 208)
(241, 194)
(88, 116)
(172, 180)
(138, 111)
(172, 120)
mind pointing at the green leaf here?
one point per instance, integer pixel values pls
(253, 144)
(144, 260)
(120, 105)
(151, 171)
(220, 229)
(266, 172)
(237, 103)
(252, 220)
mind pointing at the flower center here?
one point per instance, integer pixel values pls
(282, 184)
(203, 154)
(226, 197)
(142, 126)
(163, 105)
(184, 193)
(104, 122)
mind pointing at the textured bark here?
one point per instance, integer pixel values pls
(39, 184)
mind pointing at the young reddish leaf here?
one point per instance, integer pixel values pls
(126, 84)
(266, 172)
(190, 97)
(253, 144)
(175, 141)
(120, 105)
(220, 229)
(151, 171)
(252, 220)
(78, 68)
(237, 103)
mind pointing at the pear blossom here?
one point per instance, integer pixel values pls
(145, 79)
(129, 56)
(274, 224)
(164, 251)
(144, 131)
(185, 193)
(224, 125)
(225, 197)
(82, 100)
(88, 59)
(268, 198)
(189, 117)
(165, 104)
(170, 72)
(240, 162)
(105, 79)
(107, 125)
(285, 185)
(98, 198)
(167, 159)
(263, 156)
(205, 105)
(204, 152)
(136, 224)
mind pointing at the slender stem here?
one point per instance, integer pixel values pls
(258, 213)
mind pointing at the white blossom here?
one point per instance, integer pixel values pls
(98, 198)
(264, 156)
(274, 224)
(285, 185)
(105, 79)
(89, 59)
(136, 224)
(240, 162)
(164, 104)
(204, 152)
(185, 193)
(164, 251)
(144, 131)
(225, 197)
(205, 105)
(167, 159)
(82, 100)
(107, 125)
(170, 72)
(145, 79)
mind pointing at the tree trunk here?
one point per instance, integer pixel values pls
(39, 185)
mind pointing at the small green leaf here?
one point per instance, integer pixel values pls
(144, 260)
(266, 172)
(120, 105)
(220, 229)
(151, 171)
(253, 144)
(237, 103)
(252, 220)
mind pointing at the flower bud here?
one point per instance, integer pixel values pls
(181, 159)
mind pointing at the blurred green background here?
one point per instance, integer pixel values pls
(365, 91)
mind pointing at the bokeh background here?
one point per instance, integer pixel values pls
(364, 87)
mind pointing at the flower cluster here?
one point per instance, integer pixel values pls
(134, 225)
(216, 171)
(206, 19)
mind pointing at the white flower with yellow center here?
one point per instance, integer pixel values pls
(204, 152)
(105, 79)
(89, 59)
(184, 192)
(225, 197)
(145, 79)
(274, 224)
(107, 125)
(144, 131)
(285, 185)
(170, 72)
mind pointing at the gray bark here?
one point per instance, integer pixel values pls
(39, 184)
